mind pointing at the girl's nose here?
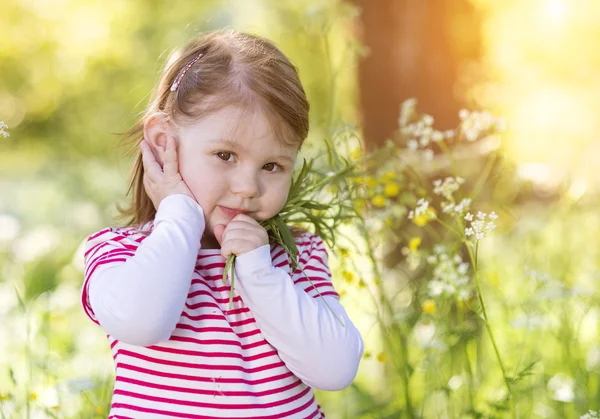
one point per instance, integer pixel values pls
(245, 185)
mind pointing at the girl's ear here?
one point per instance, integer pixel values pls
(156, 130)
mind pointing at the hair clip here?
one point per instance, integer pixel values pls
(175, 84)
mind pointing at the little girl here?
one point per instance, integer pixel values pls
(217, 148)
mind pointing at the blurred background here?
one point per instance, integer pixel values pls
(76, 73)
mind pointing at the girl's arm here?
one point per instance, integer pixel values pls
(308, 337)
(137, 291)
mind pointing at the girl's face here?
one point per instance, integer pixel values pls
(232, 162)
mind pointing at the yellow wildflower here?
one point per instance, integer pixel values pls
(348, 276)
(424, 218)
(33, 396)
(381, 357)
(371, 182)
(99, 410)
(429, 307)
(343, 252)
(356, 154)
(389, 176)
(391, 189)
(378, 201)
(414, 243)
(4, 396)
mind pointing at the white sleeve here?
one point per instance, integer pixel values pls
(312, 343)
(139, 299)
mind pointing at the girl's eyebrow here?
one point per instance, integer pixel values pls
(236, 146)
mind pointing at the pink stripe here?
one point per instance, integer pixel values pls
(107, 255)
(183, 326)
(219, 342)
(210, 266)
(324, 294)
(218, 300)
(104, 262)
(224, 288)
(213, 405)
(317, 285)
(201, 366)
(226, 393)
(147, 371)
(187, 352)
(221, 317)
(190, 416)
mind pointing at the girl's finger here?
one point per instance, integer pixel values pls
(232, 231)
(151, 166)
(171, 167)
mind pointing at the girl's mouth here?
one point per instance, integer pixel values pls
(232, 212)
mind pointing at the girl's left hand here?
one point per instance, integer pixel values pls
(243, 234)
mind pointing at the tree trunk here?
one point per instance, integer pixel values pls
(417, 48)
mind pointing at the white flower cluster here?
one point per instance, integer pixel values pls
(458, 209)
(422, 206)
(479, 227)
(450, 274)
(4, 130)
(473, 124)
(447, 187)
(591, 415)
(420, 131)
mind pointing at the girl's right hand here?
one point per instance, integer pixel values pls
(162, 182)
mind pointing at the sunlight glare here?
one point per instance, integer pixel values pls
(555, 9)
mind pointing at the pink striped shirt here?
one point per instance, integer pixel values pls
(216, 363)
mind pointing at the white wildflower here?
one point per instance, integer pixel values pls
(562, 388)
(4, 130)
(447, 187)
(407, 111)
(428, 155)
(463, 295)
(428, 120)
(449, 274)
(592, 414)
(424, 333)
(455, 382)
(422, 206)
(447, 207)
(412, 144)
(462, 206)
(437, 136)
(479, 228)
(449, 133)
(475, 125)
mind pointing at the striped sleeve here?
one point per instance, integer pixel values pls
(106, 248)
(313, 273)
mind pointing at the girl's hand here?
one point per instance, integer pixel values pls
(162, 182)
(243, 234)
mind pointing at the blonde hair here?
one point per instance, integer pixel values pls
(235, 69)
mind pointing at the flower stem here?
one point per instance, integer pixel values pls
(474, 259)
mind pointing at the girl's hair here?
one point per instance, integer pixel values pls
(236, 69)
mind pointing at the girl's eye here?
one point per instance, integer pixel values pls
(225, 155)
(272, 167)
